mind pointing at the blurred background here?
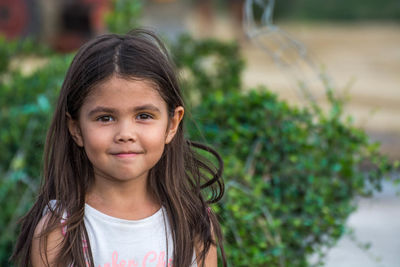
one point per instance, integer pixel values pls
(340, 56)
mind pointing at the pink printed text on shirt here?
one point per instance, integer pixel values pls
(149, 257)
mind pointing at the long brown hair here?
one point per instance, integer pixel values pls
(177, 180)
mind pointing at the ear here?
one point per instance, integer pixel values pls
(174, 124)
(74, 130)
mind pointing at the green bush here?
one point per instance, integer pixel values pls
(291, 174)
(290, 179)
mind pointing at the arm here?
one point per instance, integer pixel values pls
(211, 259)
(53, 246)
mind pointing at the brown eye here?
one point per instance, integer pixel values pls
(144, 116)
(106, 118)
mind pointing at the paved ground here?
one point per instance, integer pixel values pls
(377, 221)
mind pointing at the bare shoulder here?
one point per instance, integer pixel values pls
(41, 249)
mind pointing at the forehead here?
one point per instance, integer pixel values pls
(124, 92)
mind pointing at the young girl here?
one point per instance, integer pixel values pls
(122, 186)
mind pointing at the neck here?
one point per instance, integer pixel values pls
(130, 200)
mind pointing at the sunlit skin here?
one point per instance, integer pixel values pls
(123, 126)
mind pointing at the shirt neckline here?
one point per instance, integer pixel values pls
(90, 211)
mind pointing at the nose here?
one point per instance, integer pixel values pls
(125, 132)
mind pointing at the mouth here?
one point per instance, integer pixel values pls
(128, 154)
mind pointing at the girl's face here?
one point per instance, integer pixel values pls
(123, 126)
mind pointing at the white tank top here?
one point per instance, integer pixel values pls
(130, 243)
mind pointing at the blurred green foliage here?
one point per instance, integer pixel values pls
(26, 104)
(203, 67)
(337, 9)
(290, 173)
(10, 49)
(123, 16)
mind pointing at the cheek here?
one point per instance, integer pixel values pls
(94, 142)
(155, 140)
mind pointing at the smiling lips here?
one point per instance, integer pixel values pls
(128, 154)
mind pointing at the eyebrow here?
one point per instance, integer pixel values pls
(100, 109)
